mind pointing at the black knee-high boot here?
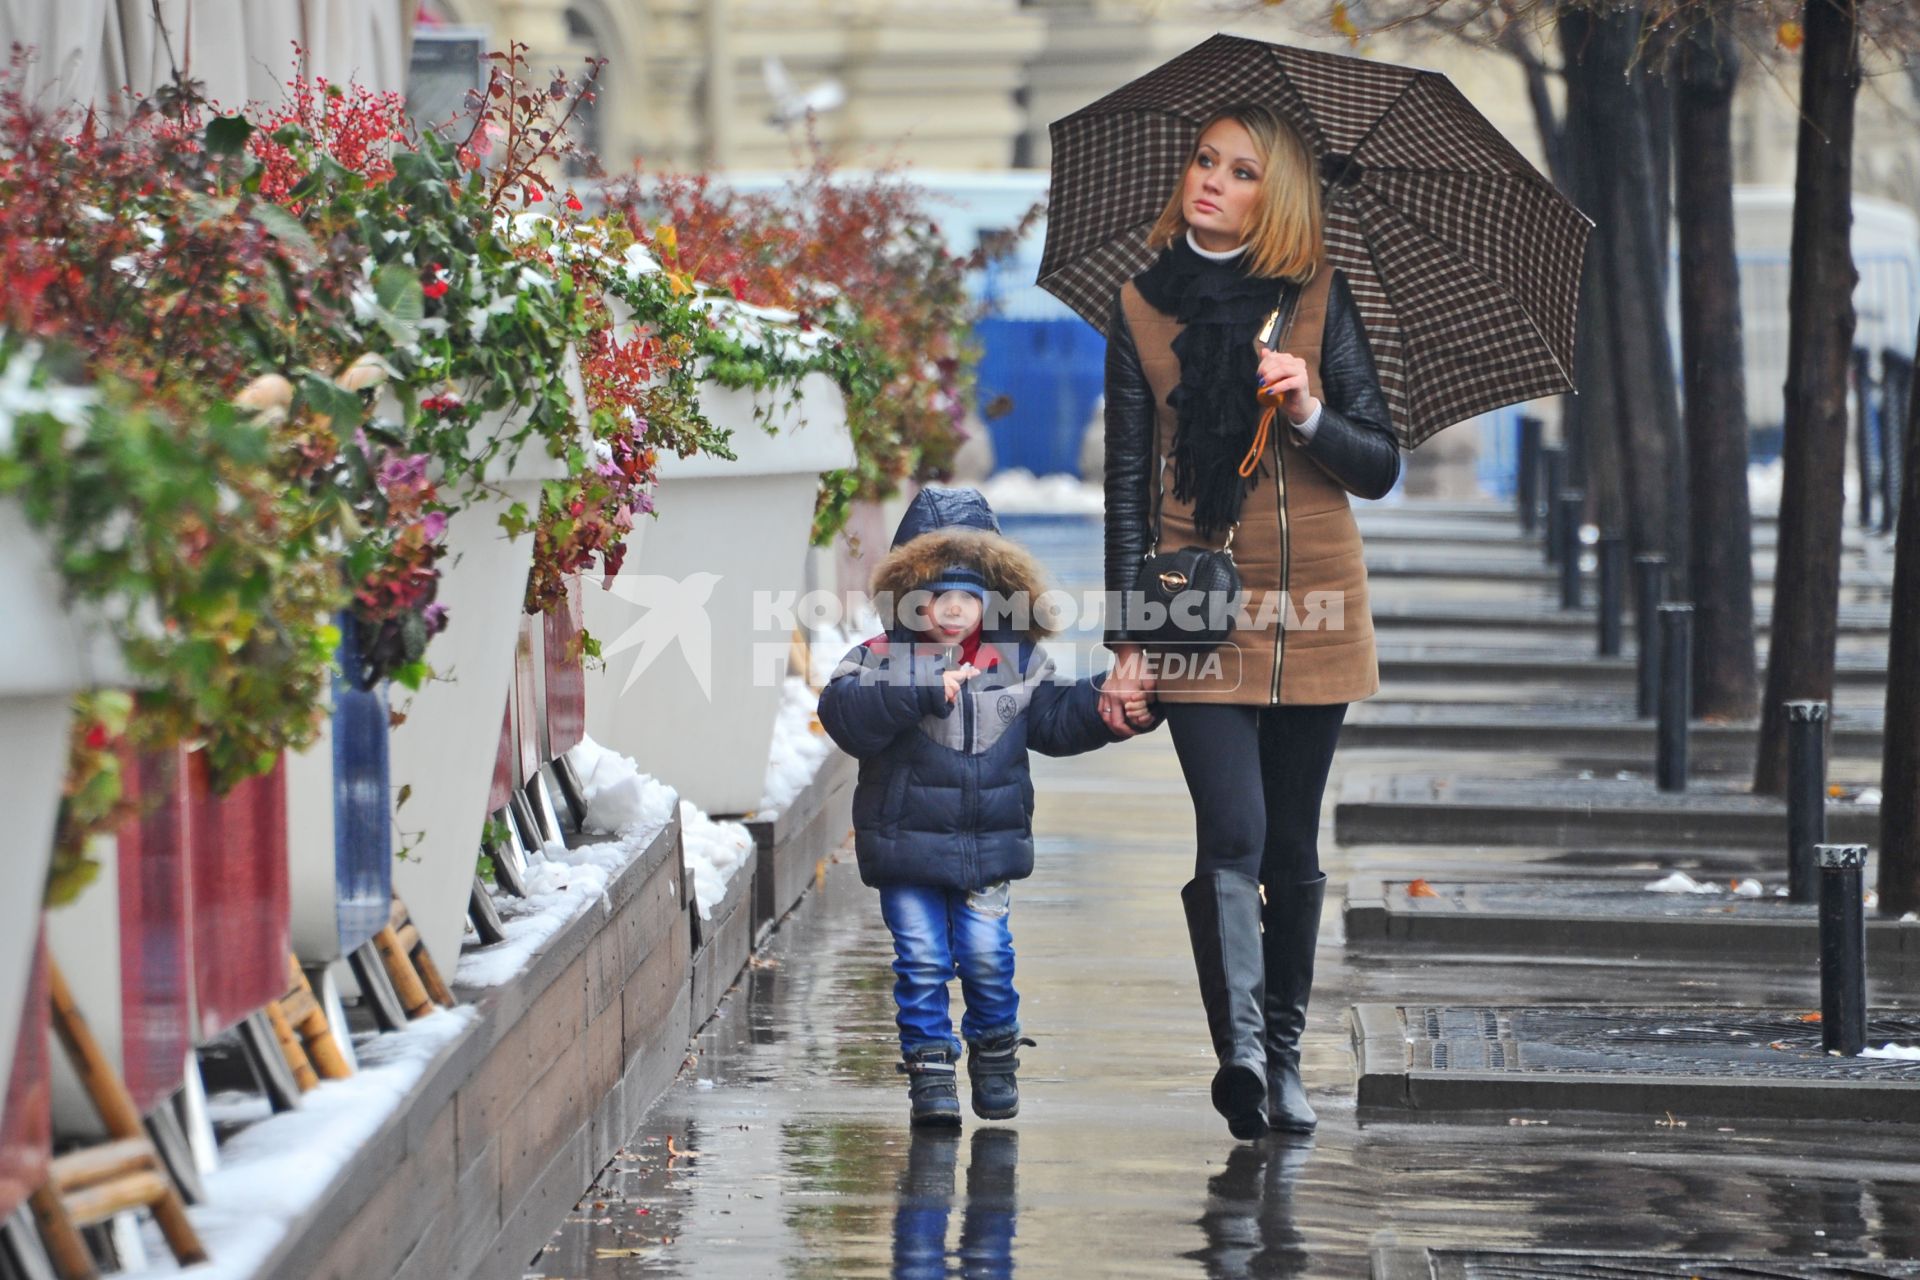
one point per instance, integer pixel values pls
(1223, 922)
(1292, 921)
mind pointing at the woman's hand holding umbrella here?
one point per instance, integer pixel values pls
(1283, 382)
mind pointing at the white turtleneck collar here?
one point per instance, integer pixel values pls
(1225, 255)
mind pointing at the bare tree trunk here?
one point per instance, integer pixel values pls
(1725, 674)
(1653, 453)
(1658, 93)
(1900, 758)
(1806, 590)
(1593, 420)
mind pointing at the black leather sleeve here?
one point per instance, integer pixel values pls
(1130, 431)
(1354, 443)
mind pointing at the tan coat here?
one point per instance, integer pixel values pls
(1307, 635)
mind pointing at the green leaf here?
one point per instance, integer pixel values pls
(286, 229)
(403, 304)
(227, 135)
(323, 397)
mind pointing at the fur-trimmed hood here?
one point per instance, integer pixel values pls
(946, 527)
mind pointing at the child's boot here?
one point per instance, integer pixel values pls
(991, 1066)
(932, 1086)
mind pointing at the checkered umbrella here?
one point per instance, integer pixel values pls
(1464, 260)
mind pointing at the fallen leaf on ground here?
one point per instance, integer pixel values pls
(1421, 889)
(677, 1151)
(1810, 1017)
(621, 1253)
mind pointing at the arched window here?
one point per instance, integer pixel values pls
(588, 121)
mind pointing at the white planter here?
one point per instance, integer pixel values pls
(692, 680)
(50, 654)
(444, 752)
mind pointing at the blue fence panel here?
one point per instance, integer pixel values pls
(362, 799)
(1046, 374)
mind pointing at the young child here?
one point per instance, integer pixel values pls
(940, 713)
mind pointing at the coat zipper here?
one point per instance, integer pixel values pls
(1286, 566)
(969, 846)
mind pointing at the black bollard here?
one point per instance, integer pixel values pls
(1571, 508)
(1649, 593)
(1676, 696)
(1843, 948)
(1613, 574)
(1526, 488)
(1806, 796)
(1553, 469)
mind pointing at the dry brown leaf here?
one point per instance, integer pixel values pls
(1810, 1017)
(1421, 889)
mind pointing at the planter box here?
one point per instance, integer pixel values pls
(445, 750)
(723, 943)
(237, 897)
(563, 685)
(791, 847)
(124, 948)
(684, 644)
(51, 652)
(339, 844)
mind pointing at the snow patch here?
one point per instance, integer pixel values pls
(714, 851)
(1681, 882)
(799, 746)
(273, 1172)
(1902, 1052)
(618, 796)
(1017, 491)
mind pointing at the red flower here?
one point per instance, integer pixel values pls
(573, 202)
(97, 737)
(533, 194)
(435, 289)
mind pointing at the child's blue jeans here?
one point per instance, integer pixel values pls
(938, 933)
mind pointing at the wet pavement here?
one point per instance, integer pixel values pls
(783, 1149)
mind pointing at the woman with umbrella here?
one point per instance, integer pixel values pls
(1255, 731)
(1246, 400)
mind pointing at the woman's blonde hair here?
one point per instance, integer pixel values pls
(1284, 230)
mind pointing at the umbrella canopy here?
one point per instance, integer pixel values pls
(1464, 261)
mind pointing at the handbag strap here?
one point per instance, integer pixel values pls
(1274, 331)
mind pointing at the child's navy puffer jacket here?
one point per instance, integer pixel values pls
(944, 797)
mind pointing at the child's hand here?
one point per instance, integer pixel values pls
(955, 678)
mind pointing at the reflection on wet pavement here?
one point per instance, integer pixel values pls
(784, 1149)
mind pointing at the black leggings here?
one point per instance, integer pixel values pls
(1256, 775)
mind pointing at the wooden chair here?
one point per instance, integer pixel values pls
(93, 1184)
(306, 1037)
(415, 977)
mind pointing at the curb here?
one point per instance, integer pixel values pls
(795, 843)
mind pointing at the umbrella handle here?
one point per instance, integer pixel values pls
(1251, 462)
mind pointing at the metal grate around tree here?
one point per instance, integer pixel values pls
(1674, 1042)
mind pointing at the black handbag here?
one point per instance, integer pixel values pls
(1184, 598)
(1187, 598)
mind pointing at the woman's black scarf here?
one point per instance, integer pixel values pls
(1222, 308)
